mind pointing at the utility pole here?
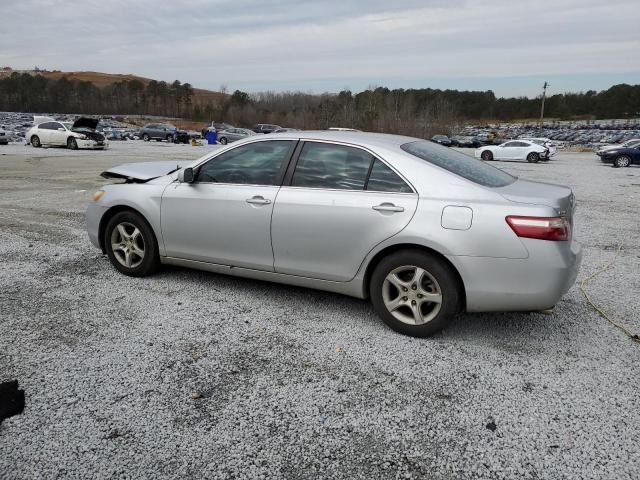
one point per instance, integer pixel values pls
(544, 96)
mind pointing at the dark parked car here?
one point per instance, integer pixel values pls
(621, 157)
(265, 128)
(163, 131)
(442, 140)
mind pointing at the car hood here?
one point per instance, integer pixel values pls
(143, 171)
(86, 122)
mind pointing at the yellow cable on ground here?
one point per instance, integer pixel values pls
(603, 314)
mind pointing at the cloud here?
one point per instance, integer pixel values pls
(292, 44)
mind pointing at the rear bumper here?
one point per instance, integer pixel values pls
(533, 283)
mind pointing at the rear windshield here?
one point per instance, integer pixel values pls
(467, 167)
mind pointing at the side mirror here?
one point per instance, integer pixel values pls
(186, 175)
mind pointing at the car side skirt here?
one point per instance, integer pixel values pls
(352, 288)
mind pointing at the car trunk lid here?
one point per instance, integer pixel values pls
(559, 197)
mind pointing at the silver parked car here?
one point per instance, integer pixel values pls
(421, 230)
(234, 134)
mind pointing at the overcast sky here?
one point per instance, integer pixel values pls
(508, 46)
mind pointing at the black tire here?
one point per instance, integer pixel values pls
(487, 156)
(35, 141)
(622, 161)
(446, 284)
(72, 144)
(146, 240)
(146, 137)
(533, 157)
(223, 140)
(170, 139)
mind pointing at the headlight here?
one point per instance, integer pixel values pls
(98, 195)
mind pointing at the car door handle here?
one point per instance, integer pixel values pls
(257, 200)
(388, 207)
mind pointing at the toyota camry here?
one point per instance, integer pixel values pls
(421, 230)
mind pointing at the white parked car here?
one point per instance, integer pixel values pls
(79, 134)
(514, 150)
(545, 142)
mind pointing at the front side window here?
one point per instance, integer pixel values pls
(330, 166)
(383, 179)
(254, 164)
(459, 164)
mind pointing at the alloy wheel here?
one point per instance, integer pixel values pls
(127, 244)
(412, 295)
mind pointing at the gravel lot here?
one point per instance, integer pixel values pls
(191, 374)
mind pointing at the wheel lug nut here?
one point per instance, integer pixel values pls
(405, 289)
(419, 295)
(413, 287)
(413, 302)
(405, 298)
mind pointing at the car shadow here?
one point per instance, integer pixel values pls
(508, 331)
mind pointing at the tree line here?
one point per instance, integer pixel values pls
(23, 92)
(416, 112)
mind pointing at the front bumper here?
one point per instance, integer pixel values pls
(529, 284)
(92, 144)
(93, 216)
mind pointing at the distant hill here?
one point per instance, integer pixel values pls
(101, 79)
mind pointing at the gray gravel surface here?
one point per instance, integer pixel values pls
(191, 374)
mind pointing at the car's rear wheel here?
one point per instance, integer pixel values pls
(223, 140)
(487, 156)
(146, 137)
(415, 293)
(131, 244)
(533, 157)
(72, 144)
(35, 141)
(622, 161)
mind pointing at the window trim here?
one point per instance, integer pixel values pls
(279, 177)
(296, 156)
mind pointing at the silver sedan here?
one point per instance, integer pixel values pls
(421, 230)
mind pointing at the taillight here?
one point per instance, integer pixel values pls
(541, 228)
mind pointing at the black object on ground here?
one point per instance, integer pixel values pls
(11, 400)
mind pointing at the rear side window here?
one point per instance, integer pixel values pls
(383, 179)
(325, 165)
(48, 126)
(459, 164)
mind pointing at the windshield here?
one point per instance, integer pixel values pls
(67, 125)
(455, 162)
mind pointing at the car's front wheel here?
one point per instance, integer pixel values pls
(72, 144)
(622, 161)
(415, 293)
(131, 244)
(223, 140)
(487, 156)
(146, 137)
(170, 139)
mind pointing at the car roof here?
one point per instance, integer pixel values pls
(384, 140)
